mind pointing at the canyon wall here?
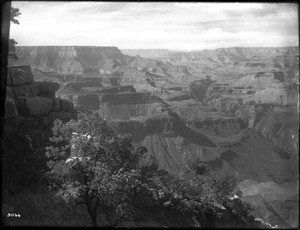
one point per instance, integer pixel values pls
(275, 119)
(70, 59)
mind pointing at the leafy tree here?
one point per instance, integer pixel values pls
(207, 195)
(14, 12)
(91, 164)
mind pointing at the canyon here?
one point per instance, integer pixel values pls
(234, 108)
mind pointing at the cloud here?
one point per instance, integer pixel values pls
(156, 25)
(97, 7)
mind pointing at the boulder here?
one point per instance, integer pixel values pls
(56, 105)
(9, 93)
(47, 89)
(39, 105)
(10, 108)
(67, 105)
(20, 75)
(25, 90)
(21, 106)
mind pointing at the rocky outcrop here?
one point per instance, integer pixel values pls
(32, 98)
(38, 106)
(30, 109)
(47, 89)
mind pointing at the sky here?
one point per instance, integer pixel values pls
(156, 25)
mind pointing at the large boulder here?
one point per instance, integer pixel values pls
(25, 90)
(10, 108)
(47, 89)
(56, 105)
(21, 106)
(20, 75)
(67, 105)
(39, 105)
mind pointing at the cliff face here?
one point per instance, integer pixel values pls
(30, 109)
(146, 53)
(226, 63)
(88, 60)
(234, 55)
(70, 59)
(276, 120)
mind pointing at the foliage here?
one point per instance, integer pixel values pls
(91, 163)
(14, 12)
(206, 194)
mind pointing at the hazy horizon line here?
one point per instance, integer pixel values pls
(180, 50)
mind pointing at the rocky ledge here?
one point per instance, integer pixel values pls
(25, 97)
(30, 109)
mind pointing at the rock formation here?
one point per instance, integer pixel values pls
(30, 109)
(69, 59)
